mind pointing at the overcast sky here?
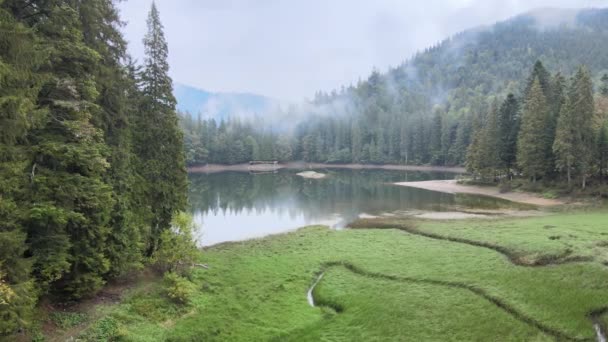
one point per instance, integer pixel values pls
(288, 49)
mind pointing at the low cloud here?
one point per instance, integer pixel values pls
(290, 49)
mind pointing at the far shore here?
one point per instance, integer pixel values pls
(212, 168)
(453, 187)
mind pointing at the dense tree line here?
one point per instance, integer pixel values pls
(559, 131)
(427, 110)
(84, 194)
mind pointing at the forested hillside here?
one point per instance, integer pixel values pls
(426, 110)
(91, 160)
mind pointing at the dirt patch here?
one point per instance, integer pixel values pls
(111, 294)
(452, 187)
(449, 215)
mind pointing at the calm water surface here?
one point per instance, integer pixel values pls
(232, 206)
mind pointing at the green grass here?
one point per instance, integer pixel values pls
(65, 320)
(583, 234)
(397, 286)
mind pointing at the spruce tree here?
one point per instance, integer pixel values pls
(20, 58)
(491, 143)
(532, 141)
(101, 23)
(584, 111)
(69, 222)
(508, 128)
(602, 148)
(566, 137)
(435, 137)
(544, 78)
(604, 85)
(160, 139)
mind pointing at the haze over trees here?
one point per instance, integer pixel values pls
(92, 157)
(495, 100)
(85, 192)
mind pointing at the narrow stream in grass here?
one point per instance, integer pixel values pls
(311, 299)
(601, 337)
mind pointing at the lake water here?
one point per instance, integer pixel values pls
(231, 206)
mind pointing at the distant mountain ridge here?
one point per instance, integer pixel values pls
(220, 105)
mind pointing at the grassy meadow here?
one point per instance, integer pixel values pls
(386, 285)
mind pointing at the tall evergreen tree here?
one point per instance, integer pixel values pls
(583, 105)
(533, 142)
(20, 58)
(160, 139)
(101, 23)
(544, 78)
(565, 145)
(489, 144)
(435, 137)
(604, 86)
(508, 128)
(602, 148)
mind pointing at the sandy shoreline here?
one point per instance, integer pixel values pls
(452, 187)
(211, 168)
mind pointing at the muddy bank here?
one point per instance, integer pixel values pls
(211, 168)
(452, 187)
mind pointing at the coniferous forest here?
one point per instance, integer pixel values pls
(94, 185)
(84, 196)
(470, 100)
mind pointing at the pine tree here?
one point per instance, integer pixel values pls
(473, 156)
(584, 111)
(532, 142)
(435, 137)
(100, 22)
(160, 139)
(489, 161)
(356, 144)
(544, 78)
(508, 128)
(566, 138)
(69, 223)
(20, 58)
(604, 86)
(602, 148)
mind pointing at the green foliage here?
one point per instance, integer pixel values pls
(106, 329)
(178, 288)
(177, 248)
(66, 320)
(565, 144)
(604, 86)
(253, 283)
(533, 142)
(159, 141)
(74, 208)
(508, 128)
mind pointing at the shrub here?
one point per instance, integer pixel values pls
(106, 329)
(67, 320)
(16, 304)
(178, 288)
(177, 248)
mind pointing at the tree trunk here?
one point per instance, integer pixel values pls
(584, 182)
